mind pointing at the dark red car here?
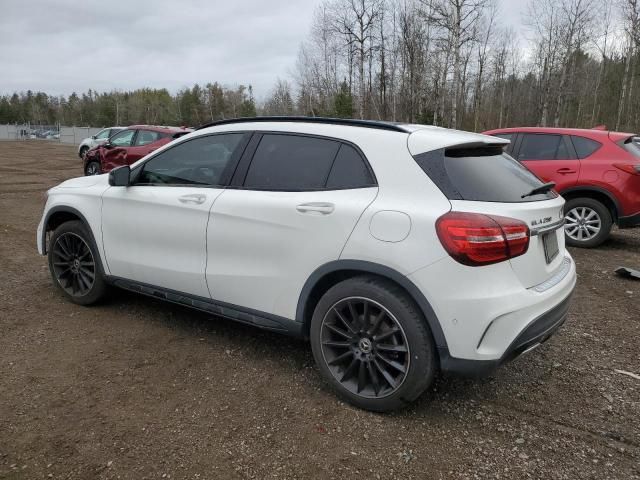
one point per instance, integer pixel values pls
(596, 171)
(128, 146)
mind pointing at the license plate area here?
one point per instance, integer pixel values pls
(550, 244)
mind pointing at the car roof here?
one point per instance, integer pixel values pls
(160, 128)
(422, 138)
(594, 133)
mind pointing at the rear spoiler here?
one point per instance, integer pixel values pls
(179, 134)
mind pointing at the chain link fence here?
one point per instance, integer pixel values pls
(57, 133)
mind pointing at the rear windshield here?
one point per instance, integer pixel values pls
(632, 145)
(480, 174)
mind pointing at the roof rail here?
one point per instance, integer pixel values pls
(325, 120)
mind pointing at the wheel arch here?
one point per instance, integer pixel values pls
(595, 193)
(58, 215)
(331, 273)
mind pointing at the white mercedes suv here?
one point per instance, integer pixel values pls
(397, 250)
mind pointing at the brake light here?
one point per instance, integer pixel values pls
(629, 168)
(476, 239)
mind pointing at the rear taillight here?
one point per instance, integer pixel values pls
(475, 239)
(633, 169)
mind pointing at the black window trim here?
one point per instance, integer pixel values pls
(227, 175)
(240, 175)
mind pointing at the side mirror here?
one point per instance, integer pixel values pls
(93, 137)
(107, 144)
(120, 177)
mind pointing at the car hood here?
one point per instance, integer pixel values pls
(84, 182)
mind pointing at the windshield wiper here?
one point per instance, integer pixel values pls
(544, 188)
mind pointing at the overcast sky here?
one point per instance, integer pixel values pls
(72, 45)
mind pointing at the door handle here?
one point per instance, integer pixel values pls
(194, 198)
(320, 208)
(564, 171)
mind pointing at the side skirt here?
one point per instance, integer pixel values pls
(263, 320)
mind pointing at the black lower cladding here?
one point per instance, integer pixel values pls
(539, 331)
(249, 316)
(629, 221)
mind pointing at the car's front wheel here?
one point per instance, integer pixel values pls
(587, 222)
(372, 344)
(92, 168)
(74, 264)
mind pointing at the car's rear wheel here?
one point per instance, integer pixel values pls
(74, 264)
(92, 168)
(587, 222)
(371, 343)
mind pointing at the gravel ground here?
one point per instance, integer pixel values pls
(138, 389)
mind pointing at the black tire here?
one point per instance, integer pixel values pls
(588, 222)
(83, 151)
(74, 264)
(373, 390)
(92, 168)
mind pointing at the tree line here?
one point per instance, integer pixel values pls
(454, 63)
(190, 106)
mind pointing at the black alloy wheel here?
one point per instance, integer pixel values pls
(73, 264)
(365, 347)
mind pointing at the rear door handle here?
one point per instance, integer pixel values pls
(564, 171)
(317, 208)
(193, 198)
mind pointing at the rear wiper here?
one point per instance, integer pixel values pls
(544, 188)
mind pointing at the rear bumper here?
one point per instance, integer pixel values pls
(538, 332)
(629, 221)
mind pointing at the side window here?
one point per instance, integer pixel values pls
(122, 139)
(542, 147)
(201, 161)
(145, 137)
(349, 170)
(103, 134)
(584, 146)
(291, 163)
(113, 131)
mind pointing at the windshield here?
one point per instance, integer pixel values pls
(484, 174)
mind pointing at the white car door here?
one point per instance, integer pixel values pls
(299, 202)
(154, 231)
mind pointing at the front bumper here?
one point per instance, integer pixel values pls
(629, 221)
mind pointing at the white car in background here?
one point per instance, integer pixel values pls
(97, 139)
(397, 250)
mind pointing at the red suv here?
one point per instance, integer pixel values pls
(596, 171)
(128, 146)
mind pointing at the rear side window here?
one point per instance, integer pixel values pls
(480, 174)
(349, 170)
(584, 146)
(145, 137)
(291, 163)
(536, 146)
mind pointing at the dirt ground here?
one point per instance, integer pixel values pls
(140, 389)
